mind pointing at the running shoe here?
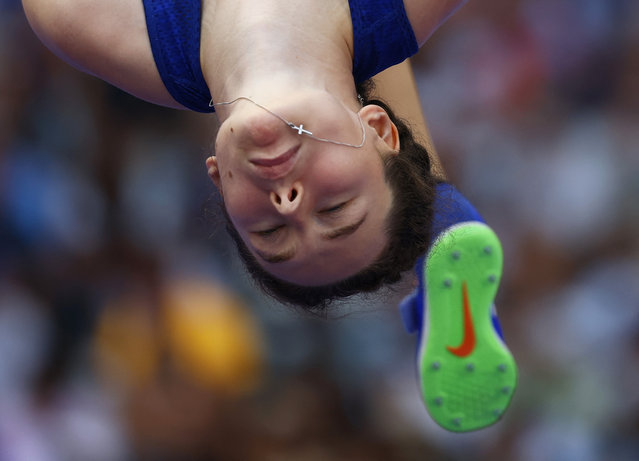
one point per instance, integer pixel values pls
(467, 374)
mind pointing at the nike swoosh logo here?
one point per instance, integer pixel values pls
(468, 344)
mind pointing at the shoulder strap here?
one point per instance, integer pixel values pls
(382, 36)
(174, 32)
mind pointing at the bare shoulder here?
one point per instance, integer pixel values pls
(107, 39)
(427, 15)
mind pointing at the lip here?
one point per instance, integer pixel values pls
(275, 167)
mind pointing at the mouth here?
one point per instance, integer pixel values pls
(275, 167)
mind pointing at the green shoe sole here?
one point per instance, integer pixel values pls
(468, 375)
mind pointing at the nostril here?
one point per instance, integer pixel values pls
(292, 195)
(276, 198)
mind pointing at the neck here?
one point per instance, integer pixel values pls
(275, 53)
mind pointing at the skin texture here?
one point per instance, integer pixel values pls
(110, 39)
(398, 88)
(297, 61)
(328, 204)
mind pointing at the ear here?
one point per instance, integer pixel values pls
(377, 118)
(214, 172)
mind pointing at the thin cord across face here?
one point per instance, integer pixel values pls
(300, 129)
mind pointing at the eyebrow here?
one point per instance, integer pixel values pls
(284, 256)
(275, 258)
(345, 230)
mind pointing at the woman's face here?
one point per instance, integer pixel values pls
(310, 212)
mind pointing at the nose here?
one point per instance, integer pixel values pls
(287, 199)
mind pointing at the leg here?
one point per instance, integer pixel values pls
(467, 374)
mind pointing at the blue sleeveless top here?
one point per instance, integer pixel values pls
(382, 37)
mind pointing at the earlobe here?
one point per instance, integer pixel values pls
(377, 118)
(214, 172)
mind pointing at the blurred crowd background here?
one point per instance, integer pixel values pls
(128, 330)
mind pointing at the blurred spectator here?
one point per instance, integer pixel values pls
(128, 330)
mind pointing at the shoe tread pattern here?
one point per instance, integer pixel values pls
(470, 392)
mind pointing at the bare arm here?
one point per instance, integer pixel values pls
(427, 15)
(109, 39)
(397, 86)
(105, 38)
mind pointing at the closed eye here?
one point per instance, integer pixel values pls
(326, 211)
(333, 209)
(268, 232)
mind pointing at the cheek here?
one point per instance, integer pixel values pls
(330, 164)
(224, 145)
(344, 171)
(243, 201)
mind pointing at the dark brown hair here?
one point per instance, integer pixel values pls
(408, 228)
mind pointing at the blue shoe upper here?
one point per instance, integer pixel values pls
(450, 208)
